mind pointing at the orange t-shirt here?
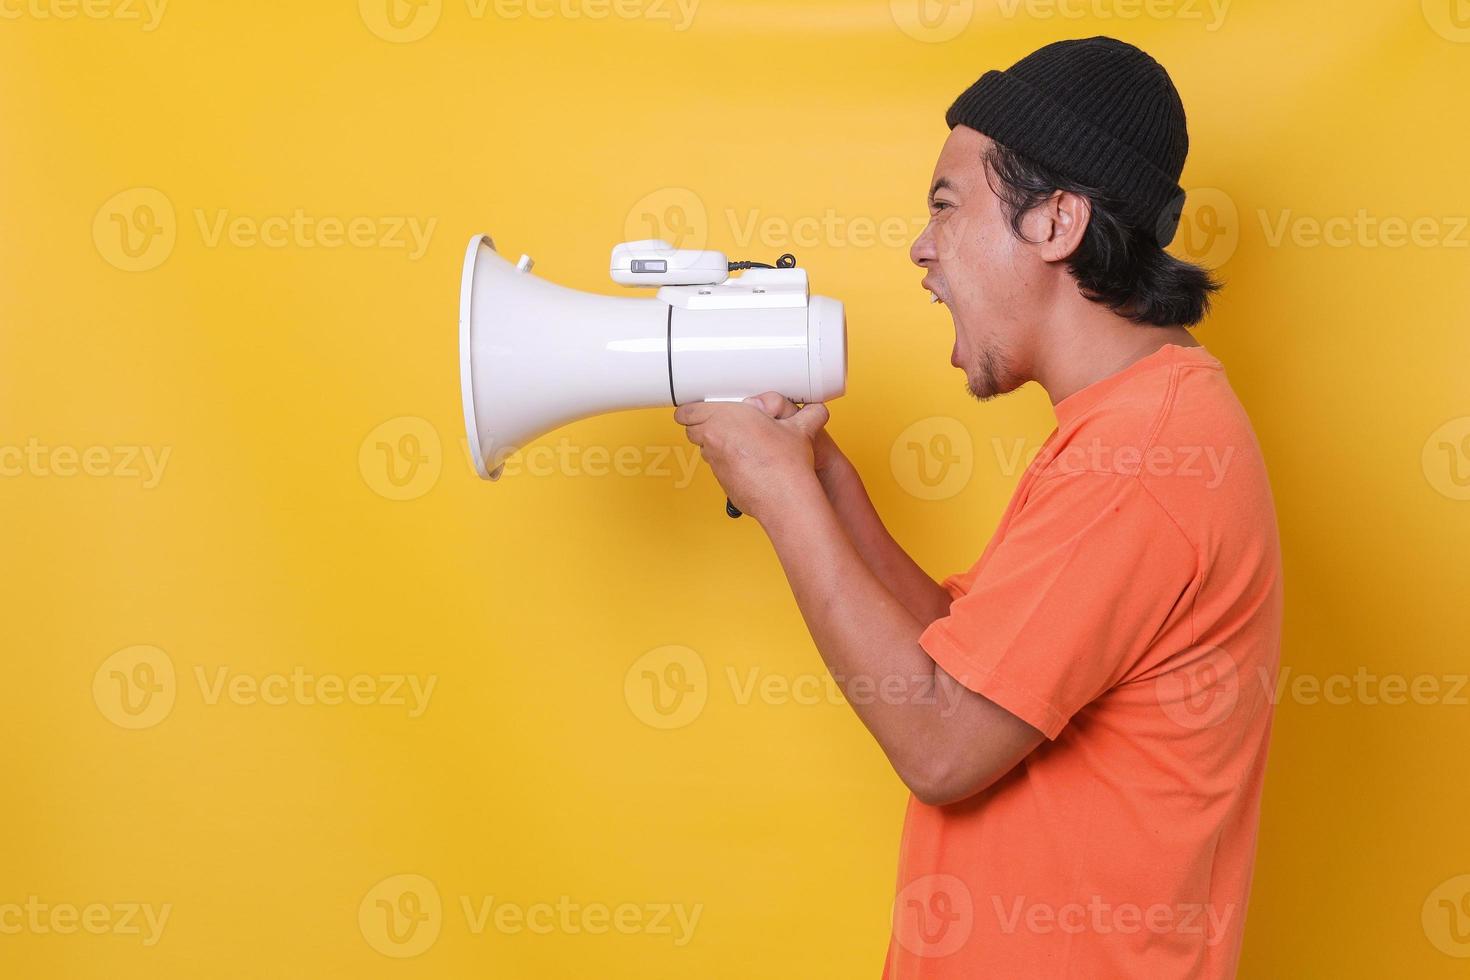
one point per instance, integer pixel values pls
(1128, 607)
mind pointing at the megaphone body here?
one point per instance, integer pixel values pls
(535, 356)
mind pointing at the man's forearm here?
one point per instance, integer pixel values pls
(924, 598)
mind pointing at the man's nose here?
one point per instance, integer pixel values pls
(922, 252)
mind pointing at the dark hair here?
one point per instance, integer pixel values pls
(1120, 266)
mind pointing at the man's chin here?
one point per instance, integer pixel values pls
(989, 377)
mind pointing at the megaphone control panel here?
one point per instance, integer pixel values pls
(657, 263)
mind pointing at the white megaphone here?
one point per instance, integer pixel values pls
(534, 356)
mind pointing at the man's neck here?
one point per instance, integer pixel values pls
(1088, 343)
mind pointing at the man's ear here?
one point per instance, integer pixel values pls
(1066, 218)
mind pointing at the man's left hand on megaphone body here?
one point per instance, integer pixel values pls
(761, 452)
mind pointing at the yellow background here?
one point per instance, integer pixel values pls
(271, 542)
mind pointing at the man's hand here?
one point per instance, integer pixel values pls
(760, 449)
(825, 454)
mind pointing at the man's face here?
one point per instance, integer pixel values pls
(976, 265)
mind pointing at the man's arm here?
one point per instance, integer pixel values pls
(945, 742)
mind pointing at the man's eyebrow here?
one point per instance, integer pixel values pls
(943, 183)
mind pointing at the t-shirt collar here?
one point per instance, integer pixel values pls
(1075, 405)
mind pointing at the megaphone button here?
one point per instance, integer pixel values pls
(525, 264)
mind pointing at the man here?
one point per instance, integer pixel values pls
(1085, 714)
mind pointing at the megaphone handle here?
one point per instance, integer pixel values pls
(730, 509)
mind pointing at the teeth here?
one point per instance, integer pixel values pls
(933, 297)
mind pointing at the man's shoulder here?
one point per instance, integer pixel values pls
(1175, 424)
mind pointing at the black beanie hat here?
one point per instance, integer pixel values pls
(1097, 111)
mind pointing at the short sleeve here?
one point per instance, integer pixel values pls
(1084, 577)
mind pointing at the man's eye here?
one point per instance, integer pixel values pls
(940, 205)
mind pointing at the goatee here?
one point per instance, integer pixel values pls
(991, 376)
